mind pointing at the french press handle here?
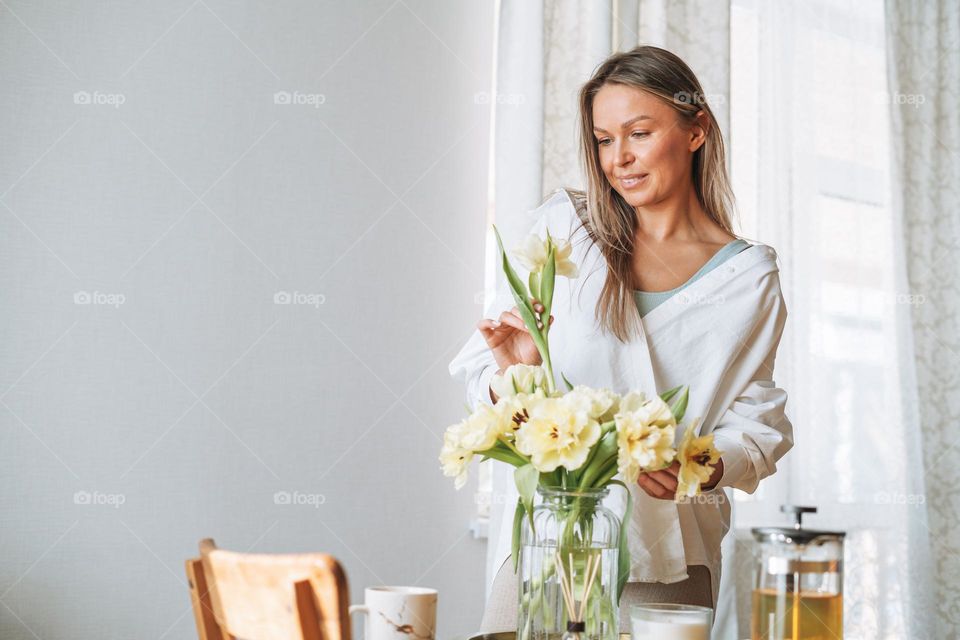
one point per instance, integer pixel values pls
(797, 512)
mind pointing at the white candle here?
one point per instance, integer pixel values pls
(670, 630)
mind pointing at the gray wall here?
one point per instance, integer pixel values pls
(157, 200)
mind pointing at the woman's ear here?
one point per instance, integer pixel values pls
(699, 130)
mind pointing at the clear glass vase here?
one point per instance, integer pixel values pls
(574, 527)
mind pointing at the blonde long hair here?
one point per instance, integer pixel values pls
(611, 222)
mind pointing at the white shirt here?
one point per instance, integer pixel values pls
(719, 335)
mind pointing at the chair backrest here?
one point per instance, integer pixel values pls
(207, 626)
(276, 596)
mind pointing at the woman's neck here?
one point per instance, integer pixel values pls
(680, 219)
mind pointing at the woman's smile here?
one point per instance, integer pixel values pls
(632, 181)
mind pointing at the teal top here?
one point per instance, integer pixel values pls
(648, 300)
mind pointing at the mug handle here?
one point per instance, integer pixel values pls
(362, 608)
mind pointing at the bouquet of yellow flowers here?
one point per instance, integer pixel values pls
(577, 439)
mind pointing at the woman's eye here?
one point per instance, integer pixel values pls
(639, 134)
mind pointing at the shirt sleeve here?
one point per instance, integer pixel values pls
(475, 366)
(754, 432)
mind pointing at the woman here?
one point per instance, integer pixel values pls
(655, 223)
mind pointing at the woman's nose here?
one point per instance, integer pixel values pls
(624, 155)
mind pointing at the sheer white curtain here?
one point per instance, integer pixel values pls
(542, 50)
(811, 159)
(924, 68)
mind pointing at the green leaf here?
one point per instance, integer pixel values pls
(667, 395)
(679, 407)
(552, 479)
(604, 453)
(521, 297)
(591, 456)
(515, 544)
(505, 455)
(606, 610)
(565, 381)
(527, 477)
(534, 281)
(623, 554)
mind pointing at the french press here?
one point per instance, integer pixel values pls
(798, 582)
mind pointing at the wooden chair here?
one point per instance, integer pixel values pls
(207, 626)
(268, 596)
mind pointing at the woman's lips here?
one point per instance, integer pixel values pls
(631, 183)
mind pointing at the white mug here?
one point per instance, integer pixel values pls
(398, 613)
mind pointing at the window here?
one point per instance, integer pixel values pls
(810, 152)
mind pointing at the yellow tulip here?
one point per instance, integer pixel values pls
(696, 456)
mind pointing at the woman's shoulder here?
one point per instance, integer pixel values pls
(727, 243)
(563, 204)
(764, 252)
(759, 263)
(563, 211)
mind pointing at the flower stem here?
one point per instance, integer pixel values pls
(548, 366)
(511, 447)
(597, 470)
(606, 477)
(545, 353)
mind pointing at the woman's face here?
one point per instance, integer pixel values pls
(644, 150)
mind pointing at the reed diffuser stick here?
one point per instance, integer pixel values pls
(565, 587)
(589, 576)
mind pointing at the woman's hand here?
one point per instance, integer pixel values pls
(663, 483)
(660, 484)
(509, 340)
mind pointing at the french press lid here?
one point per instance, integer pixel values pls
(796, 534)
